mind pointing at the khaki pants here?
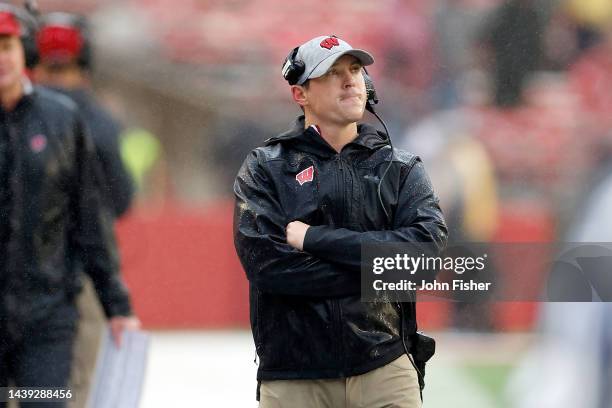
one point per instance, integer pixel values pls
(392, 386)
(92, 324)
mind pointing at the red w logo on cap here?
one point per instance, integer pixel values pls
(305, 176)
(329, 43)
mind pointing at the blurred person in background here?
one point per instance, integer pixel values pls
(64, 64)
(512, 35)
(243, 134)
(305, 204)
(52, 224)
(463, 175)
(591, 80)
(455, 25)
(570, 362)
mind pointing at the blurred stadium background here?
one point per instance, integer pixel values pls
(508, 103)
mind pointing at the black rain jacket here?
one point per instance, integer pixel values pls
(115, 181)
(306, 315)
(51, 222)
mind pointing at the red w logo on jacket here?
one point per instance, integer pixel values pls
(305, 175)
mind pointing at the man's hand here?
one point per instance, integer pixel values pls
(296, 231)
(120, 323)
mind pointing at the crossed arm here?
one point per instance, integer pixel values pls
(296, 258)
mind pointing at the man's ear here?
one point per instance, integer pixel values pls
(299, 95)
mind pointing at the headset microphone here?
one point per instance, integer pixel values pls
(372, 99)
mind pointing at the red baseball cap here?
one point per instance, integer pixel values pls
(9, 24)
(59, 43)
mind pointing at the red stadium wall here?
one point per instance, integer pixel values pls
(181, 267)
(183, 272)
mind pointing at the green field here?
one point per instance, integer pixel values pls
(472, 370)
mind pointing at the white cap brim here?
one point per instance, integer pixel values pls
(363, 56)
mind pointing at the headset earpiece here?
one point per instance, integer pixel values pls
(292, 69)
(372, 98)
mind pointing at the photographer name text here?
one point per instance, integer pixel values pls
(455, 285)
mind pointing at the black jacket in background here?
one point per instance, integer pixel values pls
(51, 218)
(306, 315)
(115, 181)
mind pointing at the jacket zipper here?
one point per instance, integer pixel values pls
(339, 344)
(341, 192)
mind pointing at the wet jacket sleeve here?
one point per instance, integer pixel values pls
(270, 263)
(418, 218)
(92, 237)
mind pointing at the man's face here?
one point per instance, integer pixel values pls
(64, 74)
(339, 96)
(12, 61)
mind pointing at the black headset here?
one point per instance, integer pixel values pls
(293, 68)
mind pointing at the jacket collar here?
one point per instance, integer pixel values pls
(310, 140)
